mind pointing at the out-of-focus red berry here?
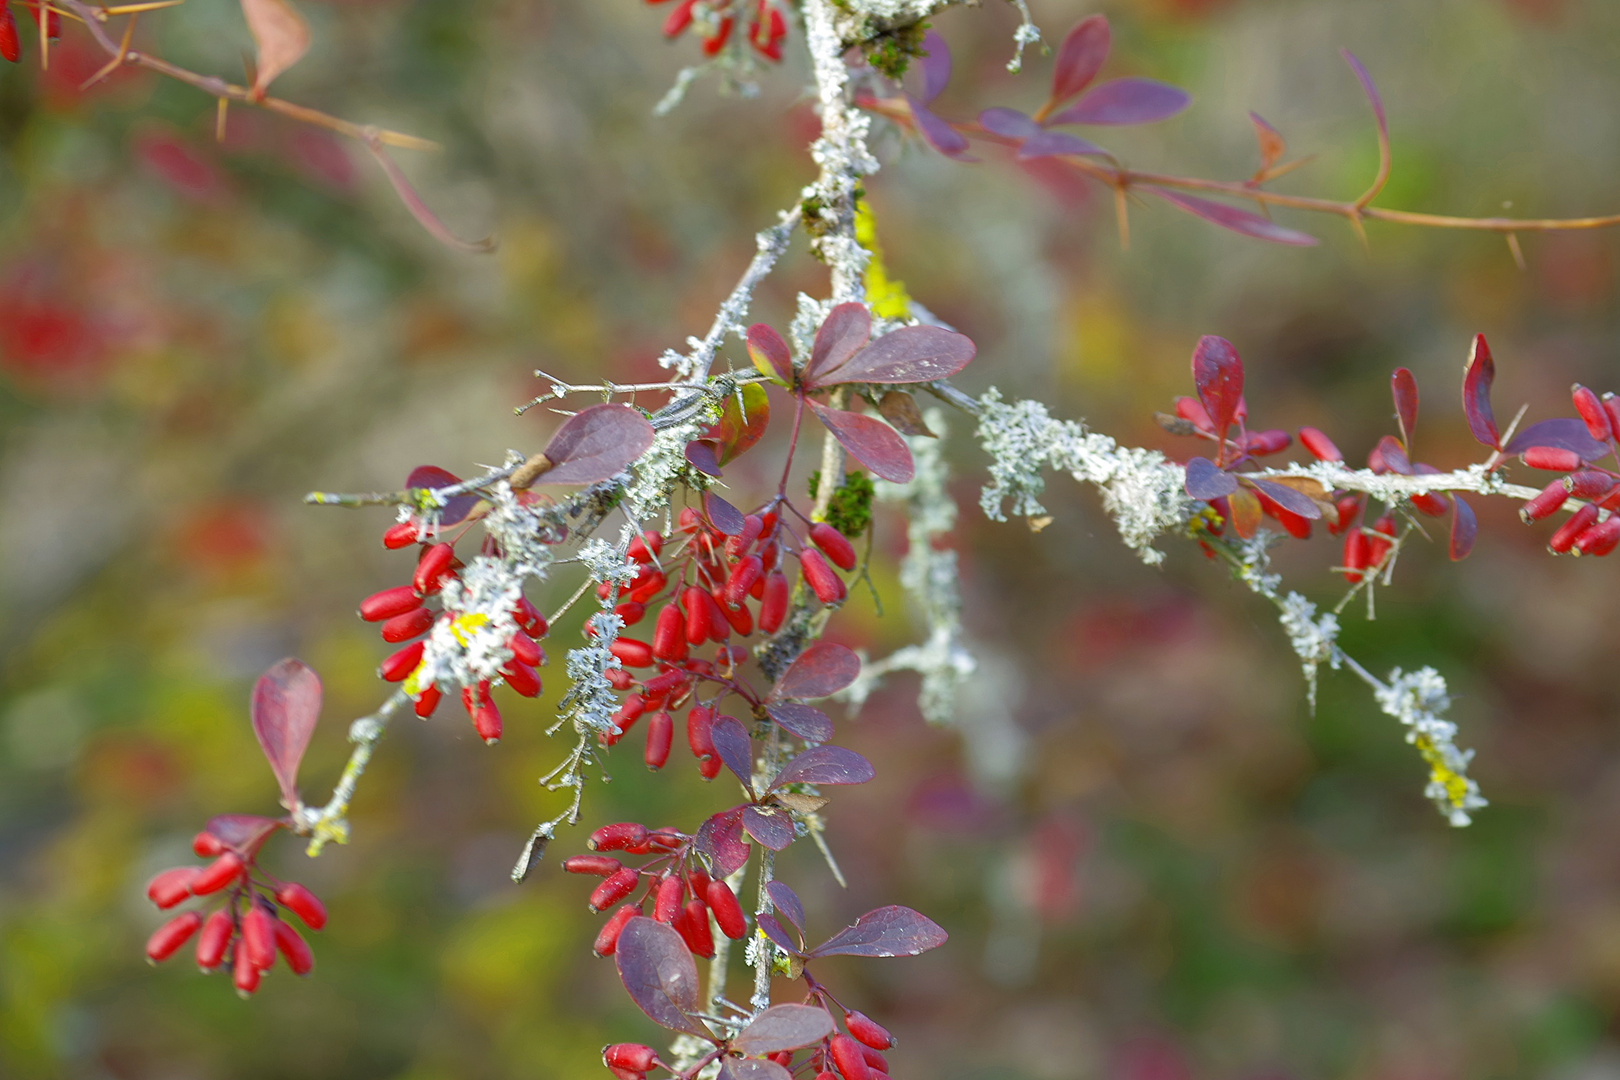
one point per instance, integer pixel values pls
(1320, 446)
(214, 939)
(607, 940)
(172, 886)
(217, 874)
(427, 701)
(728, 914)
(294, 948)
(400, 535)
(303, 903)
(632, 653)
(259, 937)
(389, 603)
(1564, 538)
(615, 887)
(167, 939)
(409, 625)
(1590, 406)
(398, 666)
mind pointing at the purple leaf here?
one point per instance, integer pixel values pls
(1372, 93)
(1560, 433)
(735, 1068)
(1236, 219)
(701, 456)
(1218, 375)
(888, 931)
(735, 748)
(872, 442)
(1404, 386)
(774, 831)
(243, 832)
(772, 929)
(770, 353)
(596, 443)
(911, 354)
(658, 972)
(806, 721)
(940, 135)
(820, 671)
(1079, 58)
(286, 704)
(1288, 498)
(1208, 481)
(787, 902)
(936, 65)
(1394, 455)
(1464, 527)
(722, 515)
(1270, 139)
(783, 1027)
(825, 765)
(1477, 379)
(1126, 101)
(841, 335)
(1009, 123)
(1058, 144)
(431, 476)
(721, 839)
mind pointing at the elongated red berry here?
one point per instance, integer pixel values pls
(700, 731)
(607, 940)
(660, 736)
(632, 1056)
(632, 653)
(653, 585)
(669, 634)
(1377, 546)
(486, 717)
(1320, 446)
(10, 43)
(1590, 406)
(1588, 484)
(247, 975)
(1546, 504)
(827, 585)
(214, 939)
(1357, 555)
(294, 948)
(693, 926)
(1564, 538)
(427, 701)
(207, 845)
(259, 937)
(847, 1058)
(529, 618)
(615, 887)
(748, 570)
(868, 1031)
(1261, 443)
(172, 886)
(671, 895)
(522, 678)
(698, 624)
(217, 874)
(1552, 458)
(1431, 503)
(399, 535)
(525, 650)
(398, 666)
(303, 903)
(630, 612)
(697, 883)
(1599, 538)
(167, 939)
(617, 837)
(728, 914)
(389, 603)
(739, 618)
(738, 545)
(409, 625)
(599, 865)
(773, 606)
(679, 19)
(433, 568)
(834, 544)
(646, 547)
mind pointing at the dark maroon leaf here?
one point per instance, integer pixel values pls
(1288, 498)
(286, 705)
(244, 832)
(1404, 386)
(658, 972)
(911, 354)
(596, 443)
(1080, 57)
(770, 353)
(1235, 219)
(1207, 481)
(783, 1027)
(721, 839)
(888, 931)
(1271, 142)
(820, 671)
(1058, 144)
(825, 765)
(1126, 101)
(431, 476)
(1477, 379)
(787, 902)
(1560, 433)
(700, 454)
(940, 135)
(1394, 455)
(1009, 123)
(735, 748)
(1371, 91)
(774, 930)
(936, 65)
(872, 442)
(1218, 374)
(1464, 527)
(753, 1068)
(722, 515)
(775, 831)
(841, 335)
(806, 721)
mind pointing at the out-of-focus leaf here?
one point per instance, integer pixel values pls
(743, 420)
(1464, 528)
(806, 721)
(1373, 97)
(1560, 433)
(940, 135)
(419, 208)
(735, 748)
(1271, 142)
(825, 765)
(1286, 497)
(1126, 101)
(900, 409)
(753, 1068)
(431, 476)
(1217, 372)
(1235, 219)
(872, 442)
(1009, 123)
(1080, 57)
(595, 444)
(1477, 379)
(1403, 385)
(776, 932)
(787, 902)
(911, 354)
(1246, 512)
(286, 705)
(820, 671)
(1058, 144)
(888, 931)
(843, 333)
(1207, 481)
(281, 38)
(721, 838)
(770, 353)
(774, 831)
(244, 832)
(660, 975)
(1394, 455)
(783, 1027)
(700, 454)
(722, 515)
(936, 65)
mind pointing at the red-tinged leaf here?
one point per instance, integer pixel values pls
(742, 422)
(783, 1027)
(1288, 498)
(888, 931)
(936, 65)
(806, 721)
(1080, 57)
(1560, 433)
(1404, 386)
(1464, 527)
(1217, 372)
(787, 902)
(721, 839)
(777, 933)
(281, 38)
(872, 442)
(1394, 455)
(1236, 219)
(774, 831)
(735, 748)
(1009, 123)
(1058, 144)
(722, 515)
(431, 476)
(753, 1068)
(900, 409)
(825, 765)
(1126, 101)
(701, 455)
(939, 134)
(770, 353)
(1477, 379)
(1208, 481)
(660, 975)
(845, 331)
(1371, 91)
(596, 443)
(242, 832)
(1246, 512)
(286, 705)
(419, 209)
(911, 354)
(820, 671)
(1271, 142)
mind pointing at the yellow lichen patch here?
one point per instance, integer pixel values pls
(885, 295)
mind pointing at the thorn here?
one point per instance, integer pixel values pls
(1361, 232)
(1122, 212)
(219, 119)
(1518, 252)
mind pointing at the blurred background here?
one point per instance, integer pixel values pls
(1154, 862)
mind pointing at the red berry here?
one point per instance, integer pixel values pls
(1357, 555)
(669, 634)
(1611, 405)
(401, 534)
(10, 44)
(747, 571)
(753, 524)
(1564, 538)
(529, 618)
(615, 887)
(698, 624)
(1261, 443)
(697, 882)
(167, 939)
(869, 1031)
(671, 894)
(693, 925)
(709, 768)
(619, 679)
(713, 45)
(217, 874)
(1547, 503)
(259, 937)
(660, 734)
(700, 731)
(679, 19)
(247, 975)
(600, 865)
(773, 607)
(728, 914)
(630, 612)
(409, 625)
(207, 845)
(1592, 411)
(739, 618)
(433, 568)
(875, 1061)
(1378, 548)
(836, 546)
(1599, 539)
(215, 938)
(617, 837)
(303, 903)
(172, 886)
(294, 948)
(427, 701)
(389, 603)
(608, 938)
(828, 586)
(632, 1056)
(486, 717)
(1588, 484)
(1320, 446)
(847, 1057)
(398, 666)
(632, 653)
(525, 650)
(646, 547)
(1551, 458)
(522, 679)
(1431, 503)
(645, 589)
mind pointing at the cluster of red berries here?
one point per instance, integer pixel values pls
(683, 894)
(855, 1056)
(1588, 531)
(247, 931)
(767, 27)
(405, 617)
(10, 42)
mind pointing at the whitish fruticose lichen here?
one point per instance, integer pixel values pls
(1417, 699)
(1314, 638)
